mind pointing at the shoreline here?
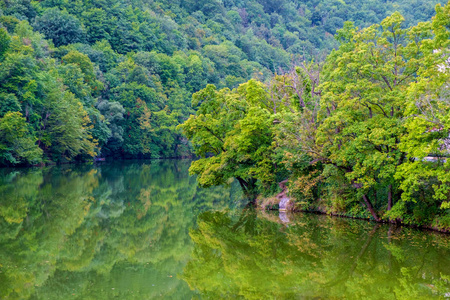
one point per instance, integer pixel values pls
(281, 202)
(92, 162)
(337, 215)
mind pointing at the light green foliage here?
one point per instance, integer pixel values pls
(363, 103)
(16, 144)
(83, 62)
(236, 128)
(379, 134)
(64, 129)
(428, 123)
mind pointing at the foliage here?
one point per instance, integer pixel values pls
(109, 54)
(363, 134)
(16, 144)
(235, 128)
(59, 26)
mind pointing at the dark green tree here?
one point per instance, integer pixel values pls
(60, 26)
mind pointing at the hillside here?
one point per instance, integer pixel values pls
(114, 78)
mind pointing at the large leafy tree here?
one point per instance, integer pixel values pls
(64, 130)
(364, 102)
(425, 176)
(232, 132)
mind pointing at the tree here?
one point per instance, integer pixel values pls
(8, 103)
(363, 104)
(64, 131)
(98, 25)
(60, 26)
(425, 175)
(232, 132)
(17, 146)
(83, 62)
(4, 42)
(113, 112)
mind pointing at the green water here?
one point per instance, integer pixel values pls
(144, 230)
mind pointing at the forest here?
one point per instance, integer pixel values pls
(363, 134)
(348, 101)
(113, 78)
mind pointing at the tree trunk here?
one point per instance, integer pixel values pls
(370, 208)
(243, 183)
(390, 198)
(249, 188)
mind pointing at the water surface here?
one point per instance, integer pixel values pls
(144, 230)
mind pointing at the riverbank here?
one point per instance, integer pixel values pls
(282, 202)
(92, 161)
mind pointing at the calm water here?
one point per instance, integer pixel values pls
(141, 230)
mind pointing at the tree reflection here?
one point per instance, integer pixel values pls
(121, 230)
(314, 256)
(87, 231)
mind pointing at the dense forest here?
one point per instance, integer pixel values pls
(346, 100)
(114, 78)
(363, 134)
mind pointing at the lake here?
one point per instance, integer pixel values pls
(145, 230)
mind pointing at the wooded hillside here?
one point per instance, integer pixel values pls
(82, 78)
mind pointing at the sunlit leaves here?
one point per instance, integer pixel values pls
(16, 144)
(235, 129)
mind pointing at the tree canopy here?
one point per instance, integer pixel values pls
(364, 133)
(134, 65)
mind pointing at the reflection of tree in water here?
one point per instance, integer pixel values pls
(120, 230)
(72, 230)
(249, 256)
